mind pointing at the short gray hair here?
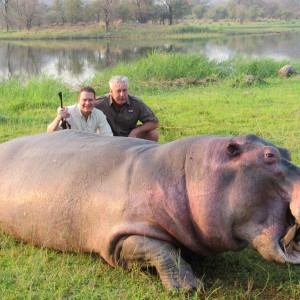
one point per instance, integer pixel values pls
(118, 80)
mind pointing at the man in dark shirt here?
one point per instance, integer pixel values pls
(123, 112)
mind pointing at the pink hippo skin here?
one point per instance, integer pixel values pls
(135, 200)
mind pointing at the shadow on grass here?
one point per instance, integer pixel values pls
(247, 276)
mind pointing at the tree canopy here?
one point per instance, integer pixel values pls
(24, 14)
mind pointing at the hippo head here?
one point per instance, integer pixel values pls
(273, 231)
(250, 195)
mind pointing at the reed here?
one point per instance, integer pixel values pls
(161, 66)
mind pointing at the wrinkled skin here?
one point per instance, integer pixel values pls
(135, 200)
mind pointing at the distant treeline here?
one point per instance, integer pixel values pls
(25, 14)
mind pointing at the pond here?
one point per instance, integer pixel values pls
(75, 62)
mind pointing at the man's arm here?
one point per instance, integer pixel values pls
(62, 113)
(148, 129)
(105, 128)
(143, 129)
(54, 125)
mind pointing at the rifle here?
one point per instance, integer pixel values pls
(64, 123)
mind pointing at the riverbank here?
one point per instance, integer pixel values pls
(120, 30)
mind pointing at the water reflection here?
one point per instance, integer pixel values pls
(77, 61)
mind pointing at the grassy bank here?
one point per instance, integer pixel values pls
(191, 95)
(119, 30)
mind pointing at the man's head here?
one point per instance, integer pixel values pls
(86, 100)
(118, 89)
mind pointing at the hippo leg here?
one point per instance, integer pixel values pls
(173, 270)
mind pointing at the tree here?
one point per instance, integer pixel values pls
(181, 8)
(126, 11)
(95, 10)
(271, 9)
(174, 8)
(241, 12)
(59, 11)
(107, 9)
(73, 10)
(255, 12)
(138, 4)
(218, 12)
(284, 15)
(291, 5)
(27, 11)
(199, 11)
(168, 5)
(5, 3)
(143, 10)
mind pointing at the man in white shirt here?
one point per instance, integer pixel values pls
(82, 116)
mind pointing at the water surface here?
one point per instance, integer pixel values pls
(75, 62)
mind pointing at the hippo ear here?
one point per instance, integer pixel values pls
(285, 153)
(233, 149)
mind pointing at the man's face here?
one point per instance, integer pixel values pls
(87, 102)
(119, 93)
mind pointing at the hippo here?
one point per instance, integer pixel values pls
(131, 200)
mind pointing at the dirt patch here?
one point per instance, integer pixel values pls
(184, 81)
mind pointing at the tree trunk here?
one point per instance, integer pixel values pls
(6, 15)
(170, 14)
(106, 21)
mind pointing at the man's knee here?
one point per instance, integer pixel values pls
(150, 135)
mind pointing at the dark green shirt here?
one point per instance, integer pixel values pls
(123, 121)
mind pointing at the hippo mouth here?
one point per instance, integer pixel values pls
(291, 241)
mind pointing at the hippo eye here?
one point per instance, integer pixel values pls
(270, 155)
(233, 149)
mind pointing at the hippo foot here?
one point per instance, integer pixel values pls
(180, 277)
(173, 270)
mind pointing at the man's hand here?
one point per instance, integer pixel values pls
(134, 133)
(63, 112)
(145, 131)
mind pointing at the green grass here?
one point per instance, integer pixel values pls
(270, 109)
(158, 68)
